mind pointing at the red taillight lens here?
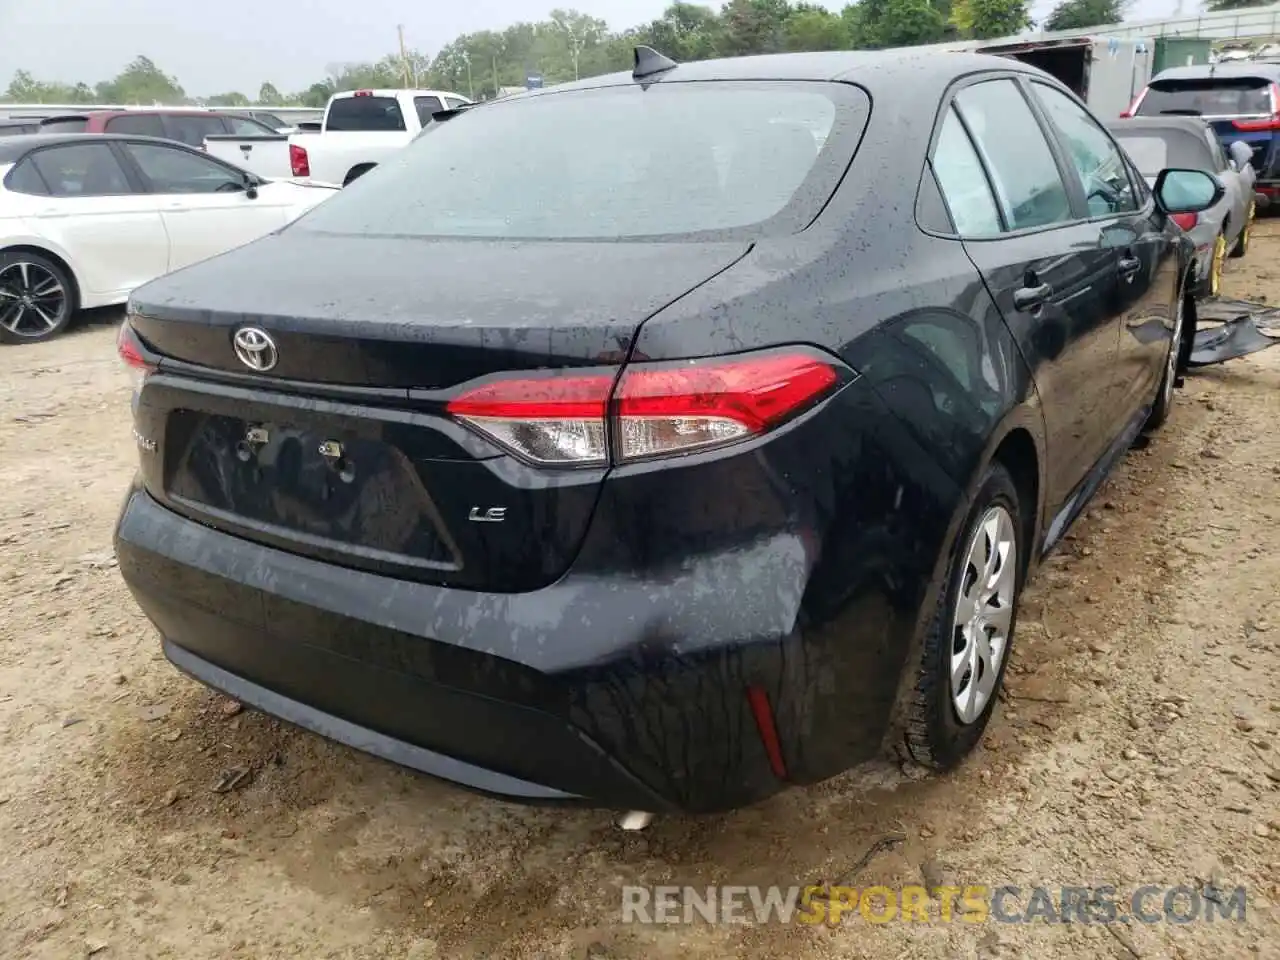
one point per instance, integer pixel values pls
(298, 161)
(362, 93)
(672, 408)
(657, 409)
(556, 420)
(1185, 220)
(131, 354)
(1253, 126)
(1133, 107)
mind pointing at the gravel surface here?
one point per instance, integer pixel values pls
(143, 816)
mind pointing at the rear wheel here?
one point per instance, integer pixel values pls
(36, 298)
(967, 646)
(1242, 241)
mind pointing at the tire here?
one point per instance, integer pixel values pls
(937, 734)
(1175, 363)
(37, 297)
(1242, 242)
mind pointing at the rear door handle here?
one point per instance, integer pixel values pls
(1029, 298)
(1129, 265)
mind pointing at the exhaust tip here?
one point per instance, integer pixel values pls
(634, 820)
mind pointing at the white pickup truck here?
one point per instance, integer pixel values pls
(362, 128)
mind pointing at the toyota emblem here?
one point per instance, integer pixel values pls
(255, 348)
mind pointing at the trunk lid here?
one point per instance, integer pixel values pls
(342, 451)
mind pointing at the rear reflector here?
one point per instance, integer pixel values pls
(1186, 221)
(656, 410)
(298, 161)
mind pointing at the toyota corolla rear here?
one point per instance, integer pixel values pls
(405, 482)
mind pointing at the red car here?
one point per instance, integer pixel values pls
(186, 126)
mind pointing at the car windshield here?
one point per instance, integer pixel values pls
(611, 163)
(1207, 97)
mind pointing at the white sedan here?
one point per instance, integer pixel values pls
(86, 218)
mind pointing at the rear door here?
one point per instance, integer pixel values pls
(1051, 271)
(1147, 285)
(202, 202)
(106, 224)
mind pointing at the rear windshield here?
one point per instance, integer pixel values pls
(1208, 97)
(65, 125)
(1151, 153)
(612, 163)
(17, 129)
(365, 113)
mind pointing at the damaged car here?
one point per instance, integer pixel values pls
(662, 440)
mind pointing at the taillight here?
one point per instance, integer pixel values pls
(1186, 221)
(665, 409)
(130, 350)
(1133, 107)
(656, 409)
(298, 161)
(362, 93)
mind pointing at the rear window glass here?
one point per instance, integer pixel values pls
(193, 130)
(25, 178)
(426, 106)
(16, 129)
(677, 159)
(1208, 97)
(1152, 153)
(142, 124)
(365, 113)
(64, 125)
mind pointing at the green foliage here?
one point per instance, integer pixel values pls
(1077, 14)
(1216, 5)
(894, 23)
(984, 19)
(141, 82)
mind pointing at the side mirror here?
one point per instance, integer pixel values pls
(251, 184)
(1241, 153)
(1187, 191)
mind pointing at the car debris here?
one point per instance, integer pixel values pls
(1245, 327)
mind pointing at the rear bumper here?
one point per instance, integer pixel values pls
(629, 695)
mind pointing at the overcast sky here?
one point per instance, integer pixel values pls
(238, 44)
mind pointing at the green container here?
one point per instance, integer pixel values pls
(1179, 52)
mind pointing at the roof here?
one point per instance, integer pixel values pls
(171, 111)
(1205, 71)
(872, 68)
(13, 149)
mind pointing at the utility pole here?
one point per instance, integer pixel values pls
(409, 79)
(471, 87)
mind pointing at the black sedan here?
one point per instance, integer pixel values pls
(661, 440)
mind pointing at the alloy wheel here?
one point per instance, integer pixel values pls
(984, 613)
(33, 301)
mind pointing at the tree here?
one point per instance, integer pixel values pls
(141, 82)
(984, 19)
(232, 99)
(269, 96)
(1216, 5)
(1077, 14)
(893, 23)
(815, 28)
(24, 88)
(754, 26)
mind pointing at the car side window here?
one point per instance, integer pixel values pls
(138, 124)
(173, 170)
(1215, 147)
(1024, 173)
(82, 170)
(25, 178)
(192, 130)
(1095, 156)
(963, 182)
(453, 103)
(426, 106)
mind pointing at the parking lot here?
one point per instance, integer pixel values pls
(142, 816)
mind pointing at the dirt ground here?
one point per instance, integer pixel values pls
(1137, 743)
